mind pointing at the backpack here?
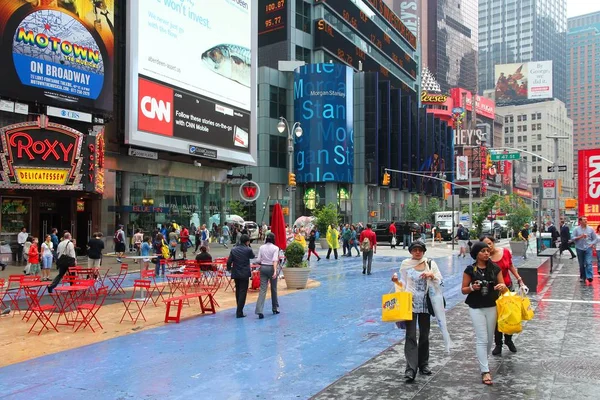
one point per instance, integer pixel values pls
(365, 246)
(117, 237)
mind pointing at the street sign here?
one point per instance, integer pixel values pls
(549, 191)
(290, 189)
(505, 156)
(561, 168)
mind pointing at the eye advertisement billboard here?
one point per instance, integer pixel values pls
(589, 185)
(323, 104)
(58, 52)
(191, 77)
(517, 83)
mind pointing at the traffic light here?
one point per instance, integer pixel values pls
(386, 179)
(291, 179)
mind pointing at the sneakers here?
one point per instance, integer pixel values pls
(497, 350)
(118, 260)
(511, 346)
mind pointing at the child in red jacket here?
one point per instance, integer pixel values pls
(34, 258)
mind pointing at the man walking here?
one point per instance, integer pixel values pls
(551, 229)
(225, 233)
(565, 238)
(66, 258)
(21, 239)
(346, 236)
(119, 240)
(524, 235)
(368, 246)
(406, 235)
(585, 239)
(239, 265)
(393, 231)
(463, 240)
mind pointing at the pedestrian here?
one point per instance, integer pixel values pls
(406, 235)
(503, 259)
(565, 239)
(65, 252)
(333, 240)
(524, 235)
(47, 256)
(368, 246)
(417, 276)
(21, 239)
(346, 236)
(26, 247)
(225, 235)
(138, 238)
(145, 251)
(554, 235)
(393, 231)
(34, 257)
(585, 239)
(54, 238)
(205, 237)
(198, 237)
(173, 241)
(423, 231)
(184, 239)
(94, 250)
(354, 241)
(482, 281)
(239, 265)
(312, 246)
(204, 258)
(161, 248)
(119, 240)
(462, 235)
(268, 258)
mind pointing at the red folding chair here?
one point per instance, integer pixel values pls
(151, 275)
(88, 311)
(91, 293)
(141, 287)
(12, 290)
(39, 311)
(117, 280)
(102, 278)
(212, 288)
(3, 294)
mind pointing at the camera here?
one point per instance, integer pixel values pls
(484, 287)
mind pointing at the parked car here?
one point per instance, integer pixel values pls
(382, 230)
(499, 227)
(252, 228)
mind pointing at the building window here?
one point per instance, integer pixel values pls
(302, 54)
(524, 128)
(518, 118)
(539, 115)
(539, 126)
(277, 151)
(525, 117)
(277, 102)
(506, 130)
(533, 127)
(303, 16)
(519, 139)
(519, 128)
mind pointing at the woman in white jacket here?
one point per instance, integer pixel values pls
(417, 275)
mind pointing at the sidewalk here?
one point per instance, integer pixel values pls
(557, 354)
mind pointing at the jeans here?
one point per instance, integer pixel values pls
(367, 260)
(266, 276)
(346, 246)
(417, 355)
(241, 290)
(157, 267)
(47, 261)
(313, 251)
(584, 257)
(406, 241)
(484, 324)
(355, 246)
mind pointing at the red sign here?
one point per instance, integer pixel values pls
(249, 191)
(507, 178)
(155, 113)
(589, 185)
(483, 106)
(522, 193)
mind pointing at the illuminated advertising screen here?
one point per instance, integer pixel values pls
(589, 185)
(323, 104)
(58, 53)
(272, 21)
(191, 77)
(517, 83)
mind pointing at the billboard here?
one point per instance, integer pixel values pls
(521, 175)
(517, 83)
(589, 185)
(193, 96)
(483, 106)
(323, 104)
(272, 21)
(59, 53)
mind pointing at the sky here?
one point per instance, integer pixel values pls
(580, 7)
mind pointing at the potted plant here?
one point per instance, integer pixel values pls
(518, 214)
(324, 217)
(296, 270)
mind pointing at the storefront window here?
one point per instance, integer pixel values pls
(15, 214)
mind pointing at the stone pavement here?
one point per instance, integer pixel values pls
(557, 354)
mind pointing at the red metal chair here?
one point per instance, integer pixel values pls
(117, 280)
(3, 294)
(212, 288)
(12, 291)
(151, 275)
(39, 311)
(141, 287)
(88, 311)
(102, 278)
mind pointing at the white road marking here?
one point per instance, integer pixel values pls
(571, 301)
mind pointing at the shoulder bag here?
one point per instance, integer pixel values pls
(427, 298)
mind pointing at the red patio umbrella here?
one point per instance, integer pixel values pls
(278, 227)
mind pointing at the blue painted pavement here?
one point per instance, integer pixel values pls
(320, 335)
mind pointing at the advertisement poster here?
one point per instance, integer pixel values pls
(521, 175)
(462, 168)
(58, 52)
(190, 75)
(517, 83)
(323, 104)
(589, 185)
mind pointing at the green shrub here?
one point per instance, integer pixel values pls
(325, 216)
(294, 253)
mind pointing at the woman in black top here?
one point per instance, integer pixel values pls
(312, 246)
(482, 283)
(204, 258)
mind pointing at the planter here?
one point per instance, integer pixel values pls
(518, 248)
(324, 244)
(296, 278)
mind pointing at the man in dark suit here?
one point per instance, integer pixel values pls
(551, 229)
(239, 265)
(565, 238)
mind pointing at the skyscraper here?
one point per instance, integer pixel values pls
(515, 31)
(583, 78)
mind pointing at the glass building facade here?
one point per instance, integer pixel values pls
(514, 31)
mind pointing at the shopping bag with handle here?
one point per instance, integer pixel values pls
(526, 309)
(396, 307)
(509, 313)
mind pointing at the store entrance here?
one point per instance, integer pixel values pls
(54, 213)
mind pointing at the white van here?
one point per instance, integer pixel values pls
(252, 228)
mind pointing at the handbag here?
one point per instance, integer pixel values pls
(396, 307)
(393, 241)
(428, 298)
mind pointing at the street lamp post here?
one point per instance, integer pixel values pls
(282, 126)
(471, 197)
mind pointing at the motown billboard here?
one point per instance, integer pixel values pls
(323, 105)
(58, 52)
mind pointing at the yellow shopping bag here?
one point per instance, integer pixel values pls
(396, 307)
(509, 313)
(526, 309)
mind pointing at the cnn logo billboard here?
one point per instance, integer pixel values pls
(155, 108)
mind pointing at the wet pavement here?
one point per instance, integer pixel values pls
(328, 342)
